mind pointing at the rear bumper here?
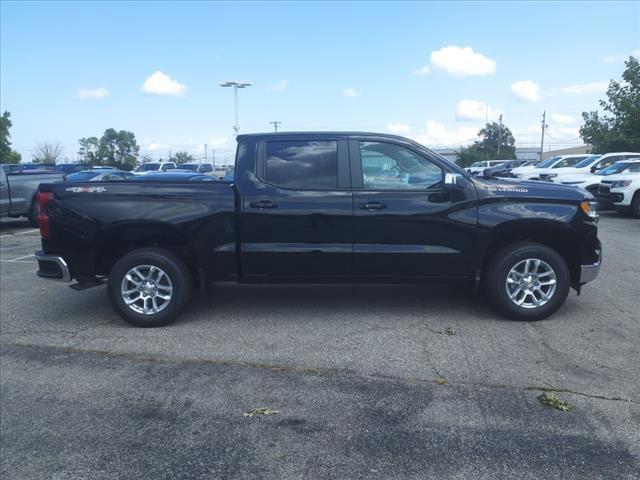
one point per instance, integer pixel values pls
(588, 273)
(52, 267)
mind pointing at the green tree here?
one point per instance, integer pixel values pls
(115, 148)
(619, 128)
(88, 150)
(495, 142)
(7, 154)
(181, 157)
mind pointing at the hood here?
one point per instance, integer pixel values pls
(580, 177)
(621, 176)
(566, 170)
(527, 169)
(529, 189)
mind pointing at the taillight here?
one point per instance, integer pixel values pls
(44, 198)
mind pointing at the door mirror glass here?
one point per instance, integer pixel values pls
(453, 180)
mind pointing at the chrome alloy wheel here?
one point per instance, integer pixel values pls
(146, 289)
(531, 283)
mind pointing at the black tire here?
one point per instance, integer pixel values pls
(34, 210)
(168, 263)
(508, 257)
(635, 205)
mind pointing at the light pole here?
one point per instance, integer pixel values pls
(236, 86)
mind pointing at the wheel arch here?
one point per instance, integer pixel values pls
(119, 239)
(556, 235)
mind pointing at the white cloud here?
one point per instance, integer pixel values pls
(154, 146)
(578, 89)
(398, 128)
(526, 90)
(162, 84)
(562, 119)
(474, 110)
(87, 93)
(351, 92)
(437, 135)
(461, 61)
(219, 142)
(620, 57)
(281, 86)
(422, 71)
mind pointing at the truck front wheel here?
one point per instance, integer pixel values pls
(527, 281)
(149, 287)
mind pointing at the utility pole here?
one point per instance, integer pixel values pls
(236, 86)
(544, 125)
(499, 137)
(275, 125)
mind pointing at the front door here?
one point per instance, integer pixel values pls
(406, 223)
(297, 211)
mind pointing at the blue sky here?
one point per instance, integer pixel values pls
(426, 70)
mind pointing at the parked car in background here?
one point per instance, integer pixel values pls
(18, 192)
(196, 167)
(68, 168)
(478, 167)
(99, 176)
(303, 209)
(621, 191)
(561, 161)
(503, 169)
(229, 176)
(149, 167)
(591, 181)
(591, 164)
(173, 176)
(525, 170)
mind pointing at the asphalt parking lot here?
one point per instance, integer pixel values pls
(367, 381)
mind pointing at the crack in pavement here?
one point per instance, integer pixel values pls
(317, 371)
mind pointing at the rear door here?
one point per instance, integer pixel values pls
(297, 210)
(406, 223)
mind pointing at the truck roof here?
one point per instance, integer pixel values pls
(324, 134)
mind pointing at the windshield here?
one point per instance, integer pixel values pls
(148, 167)
(587, 161)
(615, 168)
(568, 162)
(547, 163)
(188, 166)
(82, 176)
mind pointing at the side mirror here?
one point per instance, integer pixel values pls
(454, 180)
(594, 169)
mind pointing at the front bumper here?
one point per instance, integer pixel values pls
(588, 273)
(52, 267)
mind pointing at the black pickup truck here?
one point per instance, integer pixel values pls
(321, 207)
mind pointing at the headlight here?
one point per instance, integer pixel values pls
(589, 208)
(620, 183)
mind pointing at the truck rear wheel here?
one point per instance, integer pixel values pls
(527, 281)
(149, 287)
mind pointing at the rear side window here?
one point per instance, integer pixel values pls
(302, 165)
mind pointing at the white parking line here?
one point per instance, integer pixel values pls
(21, 258)
(19, 233)
(18, 261)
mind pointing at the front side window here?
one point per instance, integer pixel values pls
(386, 166)
(302, 164)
